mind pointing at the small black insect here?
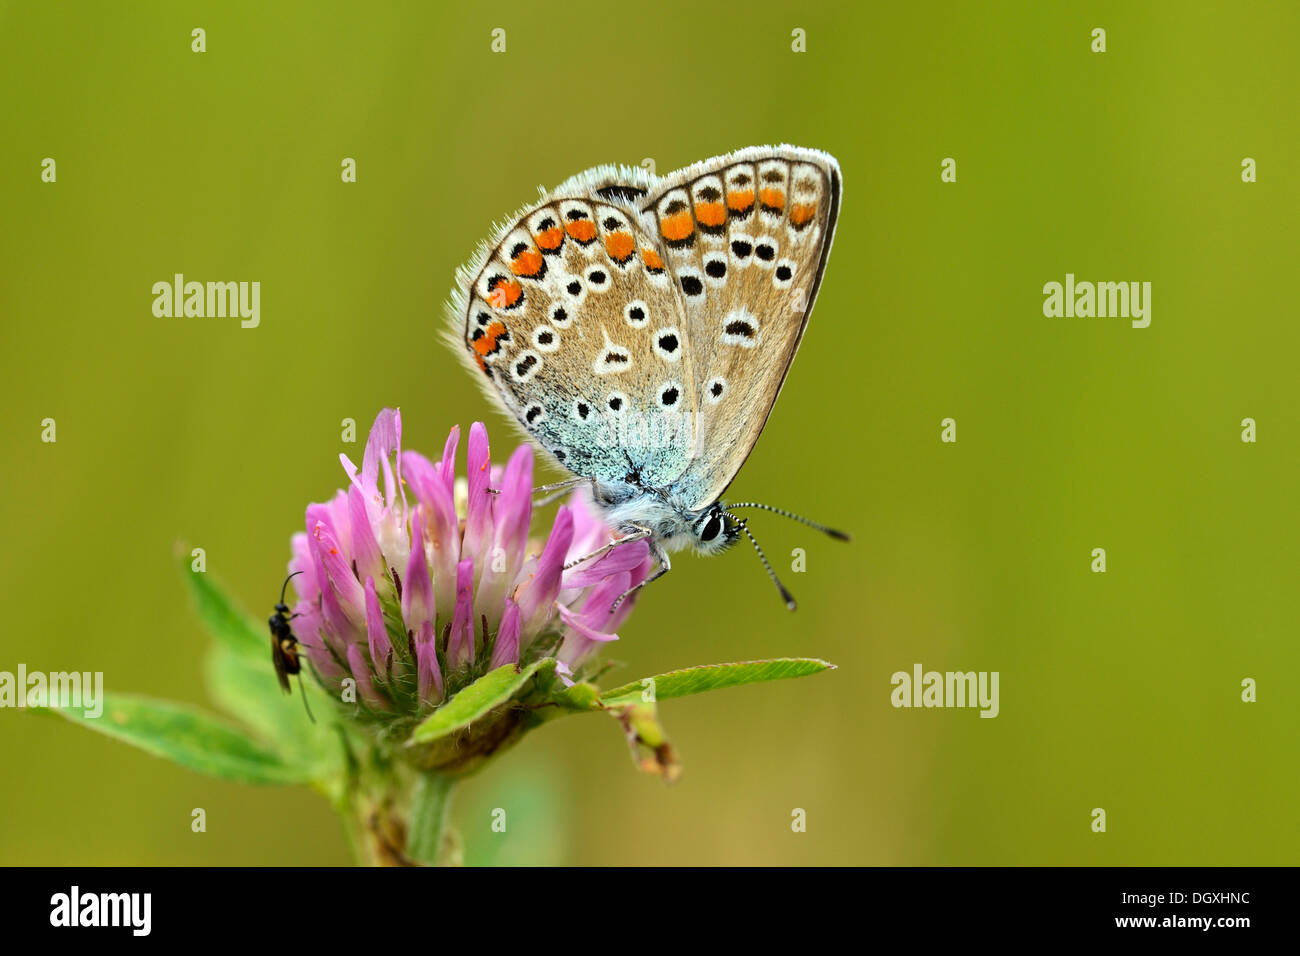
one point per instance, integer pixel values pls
(284, 646)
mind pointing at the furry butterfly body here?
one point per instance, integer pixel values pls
(639, 328)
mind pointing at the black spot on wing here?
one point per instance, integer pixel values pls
(620, 192)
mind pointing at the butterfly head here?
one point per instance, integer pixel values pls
(714, 530)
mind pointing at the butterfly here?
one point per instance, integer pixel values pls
(639, 329)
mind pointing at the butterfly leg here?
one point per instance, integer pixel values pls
(636, 534)
(556, 491)
(664, 566)
(553, 491)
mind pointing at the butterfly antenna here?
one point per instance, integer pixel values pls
(785, 595)
(837, 535)
(285, 586)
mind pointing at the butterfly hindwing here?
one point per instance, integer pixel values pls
(576, 323)
(746, 237)
(640, 328)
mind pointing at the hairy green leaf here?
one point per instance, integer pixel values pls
(493, 690)
(223, 618)
(247, 689)
(697, 680)
(187, 736)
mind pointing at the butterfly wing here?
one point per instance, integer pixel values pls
(745, 237)
(570, 317)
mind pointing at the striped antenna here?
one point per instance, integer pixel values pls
(837, 535)
(785, 595)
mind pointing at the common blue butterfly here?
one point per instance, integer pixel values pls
(639, 329)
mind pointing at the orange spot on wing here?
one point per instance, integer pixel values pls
(710, 213)
(801, 213)
(620, 246)
(486, 343)
(677, 226)
(772, 198)
(740, 200)
(550, 239)
(505, 294)
(527, 263)
(651, 259)
(583, 230)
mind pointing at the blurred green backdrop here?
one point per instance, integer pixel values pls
(1119, 691)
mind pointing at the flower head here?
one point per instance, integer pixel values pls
(414, 584)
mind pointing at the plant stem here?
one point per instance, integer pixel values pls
(430, 801)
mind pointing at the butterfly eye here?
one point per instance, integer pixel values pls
(711, 528)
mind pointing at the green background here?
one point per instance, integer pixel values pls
(1118, 690)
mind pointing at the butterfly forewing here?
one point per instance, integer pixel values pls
(576, 321)
(746, 238)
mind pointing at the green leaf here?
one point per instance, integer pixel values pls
(186, 736)
(493, 690)
(227, 622)
(579, 698)
(697, 680)
(241, 681)
(247, 688)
